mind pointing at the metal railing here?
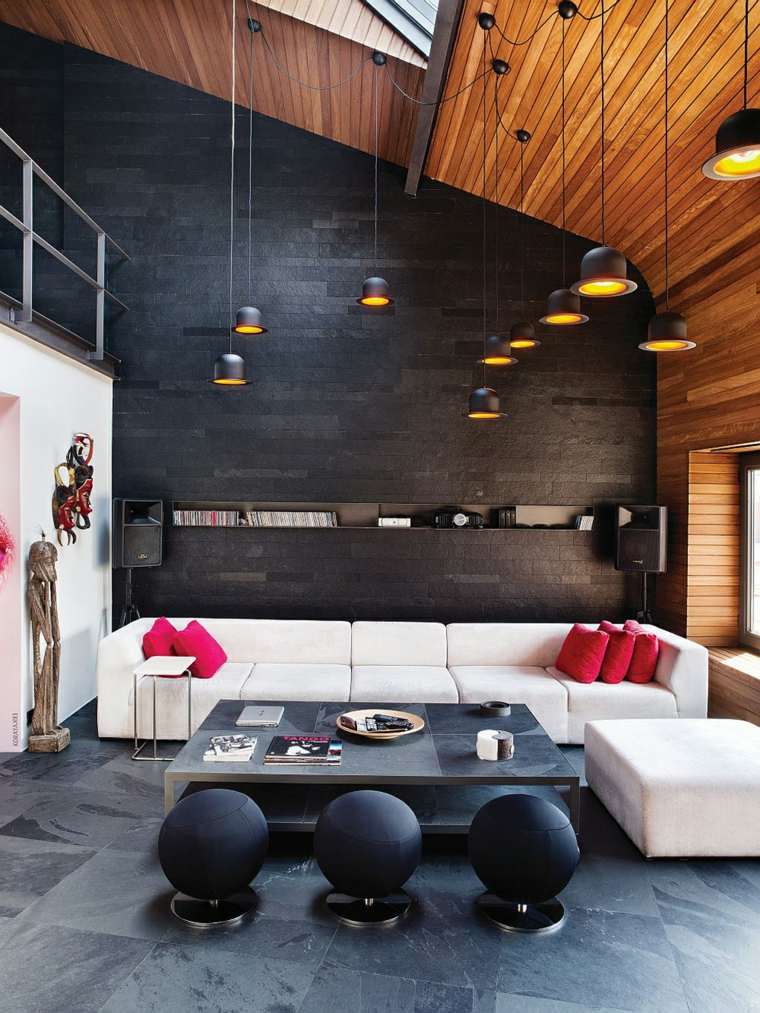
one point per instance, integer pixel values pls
(25, 226)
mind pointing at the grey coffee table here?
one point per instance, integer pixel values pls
(435, 770)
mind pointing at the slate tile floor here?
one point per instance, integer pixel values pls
(85, 927)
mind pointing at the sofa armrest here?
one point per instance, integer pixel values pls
(682, 668)
(119, 654)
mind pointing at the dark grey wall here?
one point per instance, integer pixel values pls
(345, 405)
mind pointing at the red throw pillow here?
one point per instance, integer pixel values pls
(159, 639)
(633, 626)
(646, 648)
(607, 627)
(196, 640)
(617, 659)
(582, 653)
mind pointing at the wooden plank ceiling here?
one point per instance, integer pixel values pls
(317, 41)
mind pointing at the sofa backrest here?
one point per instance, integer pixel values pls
(531, 644)
(384, 643)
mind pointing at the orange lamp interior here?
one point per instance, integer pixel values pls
(498, 360)
(564, 318)
(602, 286)
(523, 343)
(738, 164)
(666, 345)
(375, 300)
(231, 383)
(484, 415)
(248, 329)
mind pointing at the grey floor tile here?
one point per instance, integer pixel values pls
(611, 884)
(29, 869)
(529, 1004)
(292, 887)
(49, 969)
(68, 766)
(133, 778)
(342, 990)
(202, 978)
(597, 958)
(432, 997)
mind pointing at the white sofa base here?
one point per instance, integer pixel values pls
(679, 789)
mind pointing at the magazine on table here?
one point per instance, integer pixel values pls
(229, 749)
(295, 749)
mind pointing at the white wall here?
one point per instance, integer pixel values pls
(58, 397)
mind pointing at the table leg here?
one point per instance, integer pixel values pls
(134, 708)
(575, 806)
(189, 705)
(155, 729)
(168, 794)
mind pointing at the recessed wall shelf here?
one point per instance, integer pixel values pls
(365, 516)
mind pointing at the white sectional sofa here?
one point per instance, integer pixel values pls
(395, 662)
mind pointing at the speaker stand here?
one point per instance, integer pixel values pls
(129, 611)
(644, 615)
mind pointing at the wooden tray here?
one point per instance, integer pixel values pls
(360, 715)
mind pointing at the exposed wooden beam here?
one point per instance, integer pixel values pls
(442, 46)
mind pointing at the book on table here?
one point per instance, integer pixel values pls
(302, 749)
(229, 749)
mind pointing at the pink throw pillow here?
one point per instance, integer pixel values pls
(617, 660)
(607, 627)
(633, 626)
(195, 640)
(159, 639)
(646, 648)
(582, 653)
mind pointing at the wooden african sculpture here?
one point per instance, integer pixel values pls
(46, 736)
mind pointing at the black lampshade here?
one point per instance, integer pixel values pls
(229, 371)
(248, 321)
(523, 335)
(375, 292)
(667, 332)
(484, 404)
(737, 147)
(563, 308)
(604, 274)
(498, 352)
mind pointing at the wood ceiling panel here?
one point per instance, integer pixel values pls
(319, 42)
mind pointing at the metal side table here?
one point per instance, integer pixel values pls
(157, 668)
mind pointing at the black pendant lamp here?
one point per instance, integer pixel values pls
(522, 334)
(484, 401)
(604, 271)
(229, 368)
(497, 351)
(375, 291)
(667, 331)
(563, 307)
(737, 142)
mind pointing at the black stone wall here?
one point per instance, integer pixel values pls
(345, 404)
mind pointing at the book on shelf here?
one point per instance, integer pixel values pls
(206, 519)
(290, 518)
(394, 522)
(584, 522)
(229, 749)
(302, 749)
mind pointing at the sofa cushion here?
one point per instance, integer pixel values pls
(533, 687)
(531, 644)
(582, 653)
(598, 700)
(171, 701)
(402, 684)
(298, 682)
(680, 789)
(398, 644)
(284, 641)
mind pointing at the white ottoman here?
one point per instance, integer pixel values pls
(682, 788)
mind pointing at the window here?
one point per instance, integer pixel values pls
(749, 628)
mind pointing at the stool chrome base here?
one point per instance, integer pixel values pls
(364, 912)
(511, 917)
(212, 914)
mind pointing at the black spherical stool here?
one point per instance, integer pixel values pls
(524, 850)
(211, 845)
(368, 843)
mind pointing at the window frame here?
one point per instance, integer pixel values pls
(750, 462)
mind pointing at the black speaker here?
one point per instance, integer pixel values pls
(641, 539)
(138, 526)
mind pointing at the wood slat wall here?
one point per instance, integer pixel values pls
(734, 684)
(189, 41)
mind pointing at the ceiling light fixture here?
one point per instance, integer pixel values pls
(667, 331)
(563, 307)
(229, 369)
(737, 141)
(484, 401)
(604, 272)
(375, 291)
(522, 334)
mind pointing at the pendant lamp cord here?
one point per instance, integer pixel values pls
(564, 231)
(232, 159)
(522, 228)
(374, 91)
(496, 197)
(250, 154)
(601, 68)
(484, 208)
(746, 48)
(667, 163)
